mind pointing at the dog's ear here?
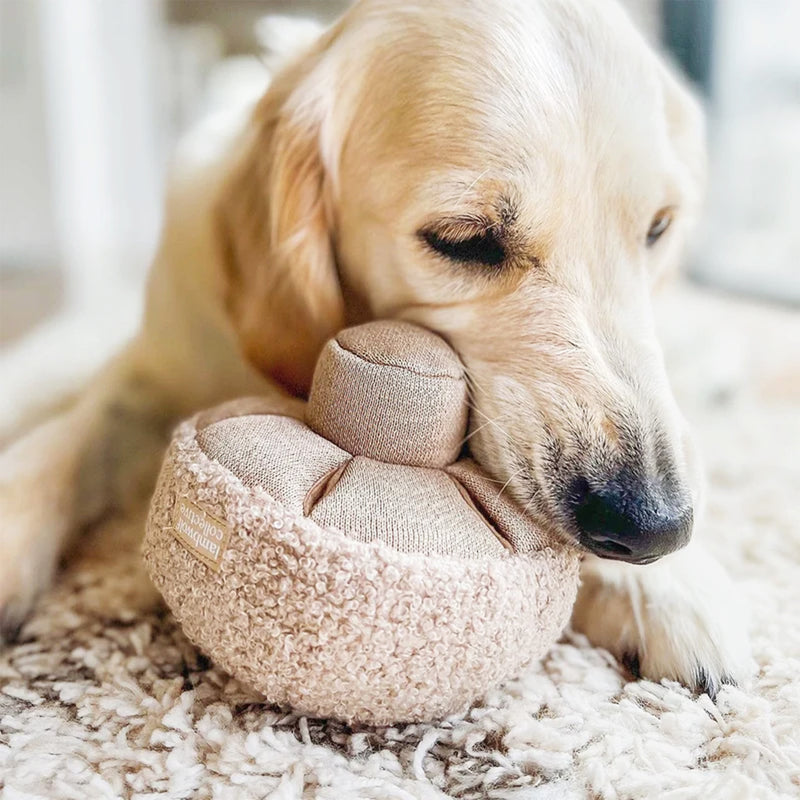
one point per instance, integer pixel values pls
(274, 226)
(687, 130)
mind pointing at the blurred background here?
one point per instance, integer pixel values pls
(94, 93)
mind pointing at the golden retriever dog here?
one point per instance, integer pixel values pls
(517, 175)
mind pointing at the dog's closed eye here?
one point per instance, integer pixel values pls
(659, 225)
(466, 242)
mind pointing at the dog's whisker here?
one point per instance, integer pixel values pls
(489, 421)
(505, 485)
(477, 430)
(528, 504)
(475, 388)
(472, 185)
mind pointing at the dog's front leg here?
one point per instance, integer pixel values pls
(680, 618)
(100, 454)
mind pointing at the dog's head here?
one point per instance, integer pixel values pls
(517, 176)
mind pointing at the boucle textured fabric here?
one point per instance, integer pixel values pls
(342, 585)
(104, 697)
(319, 622)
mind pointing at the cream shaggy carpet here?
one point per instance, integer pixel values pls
(104, 698)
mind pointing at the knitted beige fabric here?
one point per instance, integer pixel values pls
(403, 390)
(366, 578)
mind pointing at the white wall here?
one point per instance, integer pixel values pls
(100, 64)
(27, 233)
(752, 235)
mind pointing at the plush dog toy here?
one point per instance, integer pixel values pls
(349, 565)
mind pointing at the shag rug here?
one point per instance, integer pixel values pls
(103, 697)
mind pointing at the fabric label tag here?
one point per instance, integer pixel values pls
(200, 533)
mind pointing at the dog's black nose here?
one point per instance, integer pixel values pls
(621, 521)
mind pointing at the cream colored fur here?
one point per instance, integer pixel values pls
(285, 223)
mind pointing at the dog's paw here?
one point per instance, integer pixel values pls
(18, 593)
(31, 531)
(27, 565)
(28, 559)
(680, 619)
